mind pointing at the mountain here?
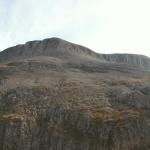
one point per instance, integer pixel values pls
(56, 95)
(60, 48)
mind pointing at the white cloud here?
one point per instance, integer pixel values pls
(107, 26)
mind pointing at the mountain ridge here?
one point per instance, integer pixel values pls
(57, 47)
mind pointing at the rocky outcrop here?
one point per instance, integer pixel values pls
(49, 47)
(131, 59)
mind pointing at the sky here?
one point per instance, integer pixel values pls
(105, 26)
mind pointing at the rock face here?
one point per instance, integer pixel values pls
(56, 95)
(129, 59)
(49, 47)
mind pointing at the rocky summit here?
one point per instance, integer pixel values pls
(56, 95)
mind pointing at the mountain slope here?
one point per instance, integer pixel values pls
(56, 47)
(56, 95)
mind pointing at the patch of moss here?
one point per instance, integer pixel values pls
(12, 117)
(109, 115)
(123, 81)
(119, 117)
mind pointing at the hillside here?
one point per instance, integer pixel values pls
(56, 47)
(56, 95)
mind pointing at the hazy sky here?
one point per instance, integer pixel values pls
(106, 26)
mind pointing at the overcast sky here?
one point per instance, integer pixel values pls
(106, 26)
